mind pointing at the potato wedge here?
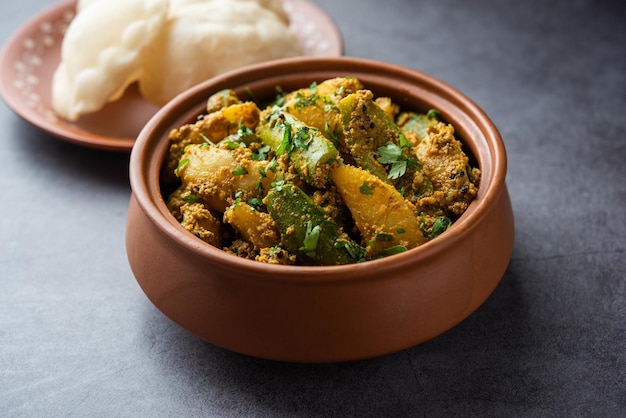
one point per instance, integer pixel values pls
(258, 228)
(216, 174)
(384, 218)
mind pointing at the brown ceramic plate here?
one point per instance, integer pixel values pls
(30, 57)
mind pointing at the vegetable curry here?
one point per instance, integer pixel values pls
(324, 175)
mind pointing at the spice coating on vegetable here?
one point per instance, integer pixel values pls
(325, 175)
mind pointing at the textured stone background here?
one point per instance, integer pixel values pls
(79, 338)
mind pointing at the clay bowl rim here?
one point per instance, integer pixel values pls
(149, 149)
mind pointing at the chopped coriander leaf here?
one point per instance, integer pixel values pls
(260, 154)
(397, 249)
(238, 197)
(367, 188)
(355, 250)
(275, 250)
(310, 239)
(278, 184)
(412, 163)
(397, 170)
(239, 171)
(271, 166)
(243, 130)
(255, 202)
(329, 105)
(305, 101)
(192, 198)
(286, 144)
(389, 153)
(432, 113)
(441, 224)
(384, 237)
(330, 133)
(231, 144)
(180, 165)
(400, 230)
(302, 138)
(404, 143)
(392, 154)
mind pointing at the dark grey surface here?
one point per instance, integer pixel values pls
(79, 338)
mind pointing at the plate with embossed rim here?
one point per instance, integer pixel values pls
(31, 55)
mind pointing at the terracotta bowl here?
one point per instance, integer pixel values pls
(321, 314)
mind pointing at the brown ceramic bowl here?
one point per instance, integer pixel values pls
(322, 314)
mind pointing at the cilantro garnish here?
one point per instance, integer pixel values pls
(271, 166)
(389, 153)
(367, 188)
(311, 99)
(330, 133)
(279, 183)
(432, 114)
(397, 170)
(311, 238)
(255, 202)
(439, 226)
(396, 249)
(231, 144)
(354, 250)
(302, 138)
(239, 171)
(180, 165)
(192, 198)
(392, 154)
(305, 101)
(404, 143)
(329, 106)
(243, 130)
(260, 154)
(286, 144)
(383, 237)
(238, 195)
